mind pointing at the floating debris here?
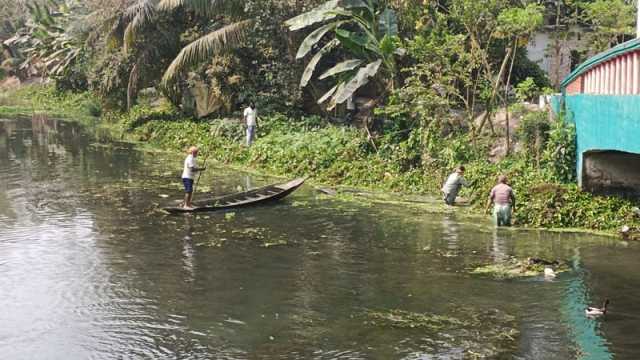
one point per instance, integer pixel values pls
(275, 243)
(234, 321)
(215, 243)
(515, 268)
(328, 191)
(405, 319)
(230, 215)
(480, 333)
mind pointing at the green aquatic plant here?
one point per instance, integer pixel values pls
(406, 319)
(459, 325)
(514, 268)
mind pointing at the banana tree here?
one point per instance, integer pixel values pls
(365, 32)
(44, 41)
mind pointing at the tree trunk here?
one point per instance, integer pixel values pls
(494, 91)
(132, 86)
(506, 96)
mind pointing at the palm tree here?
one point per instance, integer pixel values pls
(367, 33)
(224, 35)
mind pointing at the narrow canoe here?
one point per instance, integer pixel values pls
(245, 198)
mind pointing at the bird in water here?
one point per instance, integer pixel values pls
(595, 312)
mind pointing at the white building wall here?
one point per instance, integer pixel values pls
(540, 50)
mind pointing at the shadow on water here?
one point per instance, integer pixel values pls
(91, 268)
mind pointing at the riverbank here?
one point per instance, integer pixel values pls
(339, 155)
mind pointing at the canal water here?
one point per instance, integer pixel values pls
(90, 268)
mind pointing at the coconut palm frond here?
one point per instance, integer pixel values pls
(169, 5)
(132, 86)
(206, 46)
(203, 7)
(141, 13)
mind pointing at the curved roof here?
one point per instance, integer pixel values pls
(600, 58)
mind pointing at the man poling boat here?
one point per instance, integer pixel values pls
(188, 175)
(257, 196)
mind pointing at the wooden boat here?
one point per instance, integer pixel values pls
(245, 198)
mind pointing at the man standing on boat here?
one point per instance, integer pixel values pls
(504, 202)
(188, 174)
(250, 118)
(452, 186)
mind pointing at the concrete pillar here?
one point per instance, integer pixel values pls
(587, 82)
(621, 80)
(623, 75)
(602, 86)
(610, 77)
(636, 72)
(617, 75)
(630, 79)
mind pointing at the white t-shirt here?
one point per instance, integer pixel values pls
(454, 181)
(189, 164)
(250, 114)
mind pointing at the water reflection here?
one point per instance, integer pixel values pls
(498, 247)
(91, 269)
(585, 331)
(188, 250)
(450, 233)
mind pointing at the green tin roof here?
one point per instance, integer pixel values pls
(600, 58)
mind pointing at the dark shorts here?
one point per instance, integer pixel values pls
(188, 185)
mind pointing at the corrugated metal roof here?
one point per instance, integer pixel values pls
(600, 58)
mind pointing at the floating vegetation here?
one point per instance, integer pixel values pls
(297, 203)
(280, 242)
(216, 243)
(230, 215)
(406, 319)
(517, 268)
(480, 333)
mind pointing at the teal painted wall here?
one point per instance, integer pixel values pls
(604, 122)
(556, 103)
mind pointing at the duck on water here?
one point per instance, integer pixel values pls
(595, 312)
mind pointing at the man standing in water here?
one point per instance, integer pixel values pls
(250, 117)
(453, 184)
(504, 201)
(188, 175)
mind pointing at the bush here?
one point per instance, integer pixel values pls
(560, 154)
(534, 132)
(526, 90)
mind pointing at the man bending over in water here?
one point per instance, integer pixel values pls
(453, 184)
(504, 202)
(188, 174)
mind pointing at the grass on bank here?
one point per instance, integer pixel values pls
(37, 98)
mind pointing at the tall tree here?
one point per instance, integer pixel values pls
(516, 25)
(613, 22)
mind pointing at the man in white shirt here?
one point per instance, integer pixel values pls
(188, 174)
(453, 184)
(250, 118)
